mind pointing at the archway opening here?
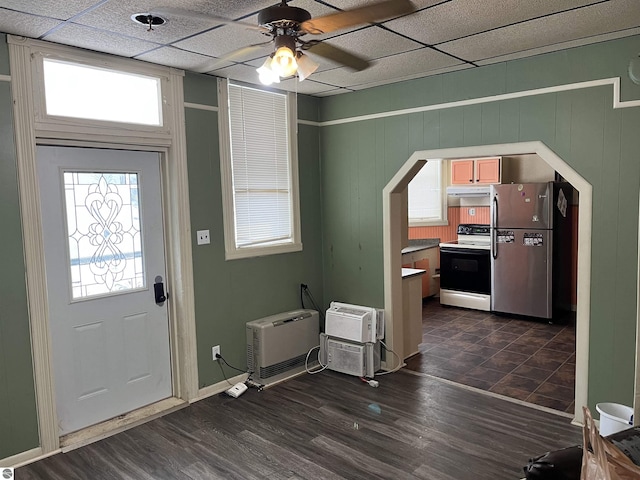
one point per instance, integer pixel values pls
(393, 224)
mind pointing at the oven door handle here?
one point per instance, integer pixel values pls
(494, 230)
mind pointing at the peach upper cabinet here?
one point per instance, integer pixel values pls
(475, 171)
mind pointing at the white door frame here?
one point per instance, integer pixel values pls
(392, 246)
(172, 145)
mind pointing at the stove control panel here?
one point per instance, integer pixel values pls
(473, 229)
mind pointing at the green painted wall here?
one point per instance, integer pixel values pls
(230, 293)
(343, 170)
(18, 421)
(600, 143)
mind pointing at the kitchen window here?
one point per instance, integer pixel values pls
(427, 198)
(259, 171)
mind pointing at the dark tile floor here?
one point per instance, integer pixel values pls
(526, 359)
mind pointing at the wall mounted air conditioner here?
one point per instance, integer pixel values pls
(352, 358)
(471, 191)
(277, 345)
(354, 322)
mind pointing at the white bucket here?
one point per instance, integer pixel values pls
(614, 418)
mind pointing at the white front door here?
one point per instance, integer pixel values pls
(104, 254)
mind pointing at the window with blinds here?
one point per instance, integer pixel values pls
(427, 201)
(260, 173)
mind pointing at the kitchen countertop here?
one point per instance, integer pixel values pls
(412, 272)
(418, 244)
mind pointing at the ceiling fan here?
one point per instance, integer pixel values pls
(286, 25)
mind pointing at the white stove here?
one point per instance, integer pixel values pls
(465, 268)
(471, 244)
(471, 235)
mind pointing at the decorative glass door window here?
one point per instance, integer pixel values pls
(104, 233)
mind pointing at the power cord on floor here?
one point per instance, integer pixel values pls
(306, 362)
(400, 362)
(372, 383)
(221, 358)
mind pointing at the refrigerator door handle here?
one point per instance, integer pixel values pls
(494, 230)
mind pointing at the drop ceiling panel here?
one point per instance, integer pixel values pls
(101, 41)
(50, 8)
(559, 46)
(116, 16)
(460, 18)
(174, 57)
(388, 69)
(583, 23)
(373, 42)
(481, 31)
(25, 25)
(438, 71)
(346, 4)
(242, 73)
(308, 87)
(224, 40)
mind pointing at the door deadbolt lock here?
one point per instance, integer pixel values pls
(158, 289)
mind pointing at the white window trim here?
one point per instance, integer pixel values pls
(60, 127)
(231, 251)
(444, 207)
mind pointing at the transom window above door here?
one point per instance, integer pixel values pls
(82, 91)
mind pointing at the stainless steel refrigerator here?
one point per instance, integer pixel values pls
(530, 234)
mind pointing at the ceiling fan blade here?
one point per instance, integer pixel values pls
(168, 12)
(341, 56)
(374, 12)
(231, 56)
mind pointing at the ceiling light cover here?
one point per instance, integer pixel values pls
(306, 66)
(284, 62)
(266, 75)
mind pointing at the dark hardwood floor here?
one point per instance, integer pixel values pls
(326, 426)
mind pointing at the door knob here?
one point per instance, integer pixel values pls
(158, 289)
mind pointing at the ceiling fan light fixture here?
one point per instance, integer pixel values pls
(306, 66)
(284, 62)
(266, 75)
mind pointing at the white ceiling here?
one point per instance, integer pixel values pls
(440, 36)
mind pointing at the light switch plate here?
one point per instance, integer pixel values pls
(203, 237)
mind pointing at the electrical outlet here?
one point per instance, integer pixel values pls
(203, 237)
(472, 211)
(215, 351)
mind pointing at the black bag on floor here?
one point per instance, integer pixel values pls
(562, 464)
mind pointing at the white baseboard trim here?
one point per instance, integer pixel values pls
(24, 458)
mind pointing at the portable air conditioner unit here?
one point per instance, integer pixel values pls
(277, 346)
(352, 358)
(354, 322)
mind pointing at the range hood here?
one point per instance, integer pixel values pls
(470, 191)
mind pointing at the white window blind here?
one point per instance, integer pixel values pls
(261, 168)
(426, 199)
